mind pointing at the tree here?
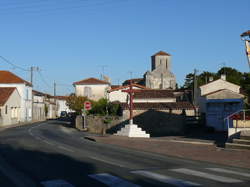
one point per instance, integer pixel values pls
(76, 103)
(189, 81)
(233, 75)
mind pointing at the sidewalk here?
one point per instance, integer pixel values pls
(181, 147)
(18, 125)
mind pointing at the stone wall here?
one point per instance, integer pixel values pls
(155, 122)
(95, 124)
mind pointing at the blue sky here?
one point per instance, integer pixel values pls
(70, 40)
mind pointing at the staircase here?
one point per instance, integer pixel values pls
(132, 130)
(242, 143)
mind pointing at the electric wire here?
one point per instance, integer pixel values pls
(12, 64)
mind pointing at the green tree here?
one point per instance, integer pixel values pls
(189, 80)
(232, 75)
(76, 103)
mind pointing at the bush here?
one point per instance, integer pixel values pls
(103, 107)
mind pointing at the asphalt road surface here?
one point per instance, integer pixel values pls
(51, 154)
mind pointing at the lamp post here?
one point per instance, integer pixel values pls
(246, 38)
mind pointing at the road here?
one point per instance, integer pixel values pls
(51, 153)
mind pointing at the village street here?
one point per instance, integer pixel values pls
(36, 154)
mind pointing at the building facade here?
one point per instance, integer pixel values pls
(24, 88)
(217, 100)
(92, 88)
(160, 76)
(10, 106)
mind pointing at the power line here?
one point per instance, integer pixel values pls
(53, 10)
(12, 64)
(44, 81)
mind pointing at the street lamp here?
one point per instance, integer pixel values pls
(246, 37)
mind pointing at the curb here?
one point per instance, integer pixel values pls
(90, 138)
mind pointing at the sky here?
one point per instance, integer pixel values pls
(70, 40)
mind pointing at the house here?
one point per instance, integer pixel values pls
(38, 106)
(145, 95)
(217, 100)
(116, 94)
(24, 88)
(61, 105)
(50, 107)
(92, 88)
(10, 106)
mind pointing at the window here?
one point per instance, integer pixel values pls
(6, 109)
(0, 112)
(27, 94)
(12, 112)
(87, 92)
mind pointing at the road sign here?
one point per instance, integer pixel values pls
(87, 105)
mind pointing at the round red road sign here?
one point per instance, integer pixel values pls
(87, 105)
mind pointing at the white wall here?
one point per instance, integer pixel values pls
(38, 113)
(218, 85)
(61, 106)
(98, 91)
(117, 96)
(13, 110)
(26, 100)
(155, 100)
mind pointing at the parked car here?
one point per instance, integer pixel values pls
(63, 114)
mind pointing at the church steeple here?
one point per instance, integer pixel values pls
(160, 76)
(160, 60)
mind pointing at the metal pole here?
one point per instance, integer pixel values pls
(31, 75)
(131, 104)
(54, 88)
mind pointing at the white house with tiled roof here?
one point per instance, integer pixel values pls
(10, 106)
(217, 100)
(92, 88)
(24, 88)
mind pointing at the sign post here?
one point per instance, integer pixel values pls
(87, 106)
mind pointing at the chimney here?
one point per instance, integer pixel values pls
(223, 77)
(211, 79)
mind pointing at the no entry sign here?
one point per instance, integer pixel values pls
(87, 105)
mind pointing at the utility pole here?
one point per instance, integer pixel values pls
(32, 69)
(195, 88)
(54, 88)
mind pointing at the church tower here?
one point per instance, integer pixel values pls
(160, 76)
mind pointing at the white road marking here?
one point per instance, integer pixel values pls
(48, 142)
(165, 179)
(206, 175)
(65, 148)
(56, 183)
(112, 181)
(229, 171)
(106, 161)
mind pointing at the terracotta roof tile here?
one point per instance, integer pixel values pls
(161, 53)
(154, 94)
(61, 97)
(135, 81)
(172, 105)
(5, 93)
(247, 33)
(126, 86)
(91, 81)
(7, 77)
